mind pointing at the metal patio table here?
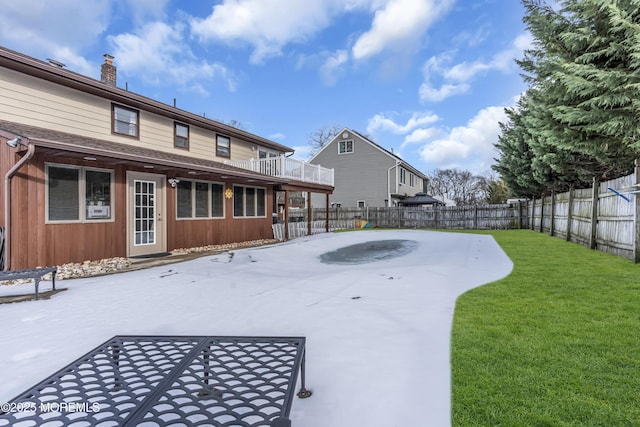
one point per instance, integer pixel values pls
(169, 381)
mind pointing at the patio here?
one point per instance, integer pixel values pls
(377, 333)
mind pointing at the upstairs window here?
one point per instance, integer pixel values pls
(181, 136)
(223, 146)
(125, 121)
(345, 147)
(403, 176)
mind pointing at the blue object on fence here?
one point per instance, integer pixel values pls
(619, 194)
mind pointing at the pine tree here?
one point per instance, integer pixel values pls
(582, 116)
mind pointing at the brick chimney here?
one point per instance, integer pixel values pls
(108, 71)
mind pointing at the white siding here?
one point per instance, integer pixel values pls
(369, 174)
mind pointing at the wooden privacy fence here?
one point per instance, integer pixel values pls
(488, 217)
(299, 229)
(594, 217)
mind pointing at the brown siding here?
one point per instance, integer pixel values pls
(194, 233)
(34, 243)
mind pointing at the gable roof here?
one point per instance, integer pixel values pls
(43, 70)
(379, 147)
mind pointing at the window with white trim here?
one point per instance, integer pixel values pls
(223, 146)
(403, 176)
(125, 120)
(345, 147)
(412, 179)
(199, 200)
(249, 201)
(78, 194)
(181, 136)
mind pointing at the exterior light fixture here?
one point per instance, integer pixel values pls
(13, 143)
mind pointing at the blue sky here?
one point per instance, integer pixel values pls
(427, 78)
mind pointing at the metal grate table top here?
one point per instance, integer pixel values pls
(169, 381)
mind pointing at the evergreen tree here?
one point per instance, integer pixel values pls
(582, 115)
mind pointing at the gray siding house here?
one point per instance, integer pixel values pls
(365, 174)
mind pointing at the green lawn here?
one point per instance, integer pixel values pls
(556, 343)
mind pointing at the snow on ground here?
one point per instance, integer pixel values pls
(377, 333)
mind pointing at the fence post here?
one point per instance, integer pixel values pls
(475, 217)
(570, 213)
(541, 213)
(636, 241)
(594, 213)
(553, 212)
(326, 212)
(533, 213)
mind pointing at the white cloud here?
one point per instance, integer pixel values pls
(380, 122)
(333, 66)
(145, 10)
(469, 147)
(267, 25)
(421, 135)
(58, 30)
(456, 79)
(398, 23)
(501, 61)
(277, 136)
(158, 52)
(433, 94)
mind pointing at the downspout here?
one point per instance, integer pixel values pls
(31, 149)
(389, 182)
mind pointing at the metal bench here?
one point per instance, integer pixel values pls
(34, 273)
(170, 380)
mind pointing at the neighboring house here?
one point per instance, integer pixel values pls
(94, 171)
(366, 174)
(445, 201)
(421, 200)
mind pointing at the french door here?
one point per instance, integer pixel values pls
(146, 229)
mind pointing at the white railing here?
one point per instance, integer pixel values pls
(285, 167)
(300, 229)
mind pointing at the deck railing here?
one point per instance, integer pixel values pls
(285, 167)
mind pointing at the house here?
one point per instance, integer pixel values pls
(365, 173)
(421, 200)
(95, 171)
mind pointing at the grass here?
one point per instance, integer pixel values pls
(556, 343)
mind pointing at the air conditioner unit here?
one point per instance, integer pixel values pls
(98, 211)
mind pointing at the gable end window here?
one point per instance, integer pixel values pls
(345, 147)
(125, 121)
(403, 176)
(223, 146)
(181, 136)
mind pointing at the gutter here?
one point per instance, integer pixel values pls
(7, 203)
